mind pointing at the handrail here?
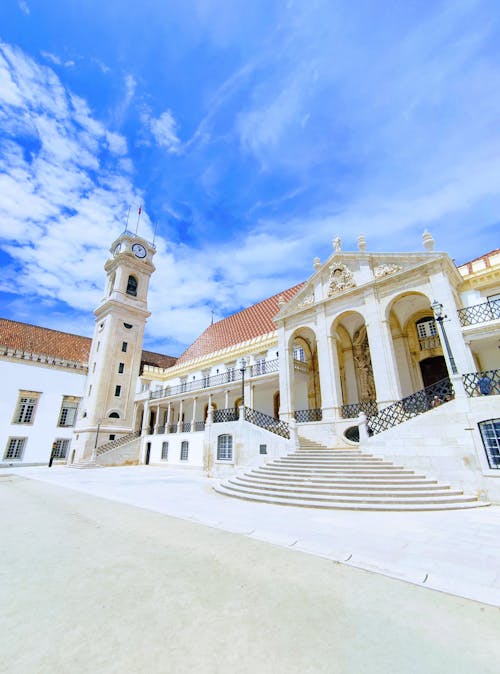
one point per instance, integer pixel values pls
(352, 410)
(305, 416)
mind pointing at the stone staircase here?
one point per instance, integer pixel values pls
(105, 449)
(342, 479)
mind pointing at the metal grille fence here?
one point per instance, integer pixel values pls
(267, 422)
(411, 406)
(353, 410)
(482, 383)
(304, 416)
(199, 426)
(229, 414)
(479, 313)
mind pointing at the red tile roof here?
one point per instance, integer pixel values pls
(57, 344)
(247, 324)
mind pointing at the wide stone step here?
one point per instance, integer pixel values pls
(334, 484)
(344, 479)
(383, 493)
(337, 471)
(350, 505)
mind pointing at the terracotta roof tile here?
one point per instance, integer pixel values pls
(63, 345)
(247, 324)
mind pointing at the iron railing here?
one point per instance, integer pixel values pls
(304, 416)
(353, 410)
(186, 427)
(267, 422)
(479, 313)
(172, 428)
(161, 430)
(227, 377)
(411, 406)
(229, 414)
(199, 425)
(482, 383)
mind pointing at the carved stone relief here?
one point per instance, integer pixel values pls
(361, 354)
(308, 299)
(386, 269)
(340, 278)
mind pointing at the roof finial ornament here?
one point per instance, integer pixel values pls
(316, 263)
(428, 241)
(362, 243)
(337, 244)
(281, 301)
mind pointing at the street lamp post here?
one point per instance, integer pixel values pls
(243, 368)
(437, 308)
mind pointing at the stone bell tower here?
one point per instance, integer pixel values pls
(115, 357)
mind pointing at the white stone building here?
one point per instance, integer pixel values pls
(363, 335)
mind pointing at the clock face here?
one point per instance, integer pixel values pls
(139, 250)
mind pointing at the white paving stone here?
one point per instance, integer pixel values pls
(453, 551)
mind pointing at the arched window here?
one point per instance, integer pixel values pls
(184, 450)
(114, 415)
(225, 447)
(132, 286)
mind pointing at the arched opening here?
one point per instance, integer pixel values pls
(276, 405)
(114, 415)
(132, 286)
(306, 390)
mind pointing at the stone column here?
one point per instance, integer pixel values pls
(336, 383)
(145, 418)
(157, 420)
(193, 420)
(181, 411)
(226, 399)
(325, 367)
(285, 376)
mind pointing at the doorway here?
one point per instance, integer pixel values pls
(433, 370)
(148, 452)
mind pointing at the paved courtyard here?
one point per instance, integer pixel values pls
(130, 581)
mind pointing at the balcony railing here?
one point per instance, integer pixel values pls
(305, 416)
(431, 342)
(479, 313)
(353, 410)
(227, 377)
(230, 414)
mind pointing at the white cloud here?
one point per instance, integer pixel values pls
(23, 6)
(164, 130)
(56, 60)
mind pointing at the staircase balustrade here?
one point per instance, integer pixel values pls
(267, 422)
(118, 442)
(230, 414)
(353, 410)
(482, 383)
(432, 396)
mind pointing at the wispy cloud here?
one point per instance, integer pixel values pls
(56, 60)
(164, 130)
(24, 7)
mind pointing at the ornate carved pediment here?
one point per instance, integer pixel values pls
(386, 270)
(340, 278)
(306, 301)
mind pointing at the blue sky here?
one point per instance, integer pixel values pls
(251, 132)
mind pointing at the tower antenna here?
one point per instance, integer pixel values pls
(154, 235)
(138, 218)
(128, 216)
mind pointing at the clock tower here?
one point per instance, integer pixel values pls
(107, 406)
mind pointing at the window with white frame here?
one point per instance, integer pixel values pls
(231, 373)
(61, 448)
(164, 451)
(490, 434)
(184, 450)
(260, 366)
(26, 407)
(299, 354)
(69, 407)
(426, 327)
(225, 447)
(494, 302)
(15, 449)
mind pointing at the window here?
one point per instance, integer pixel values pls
(132, 286)
(26, 407)
(114, 415)
(67, 415)
(231, 373)
(426, 327)
(183, 385)
(128, 325)
(118, 390)
(299, 354)
(490, 433)
(225, 448)
(124, 347)
(61, 448)
(164, 451)
(184, 450)
(15, 449)
(121, 368)
(112, 436)
(494, 302)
